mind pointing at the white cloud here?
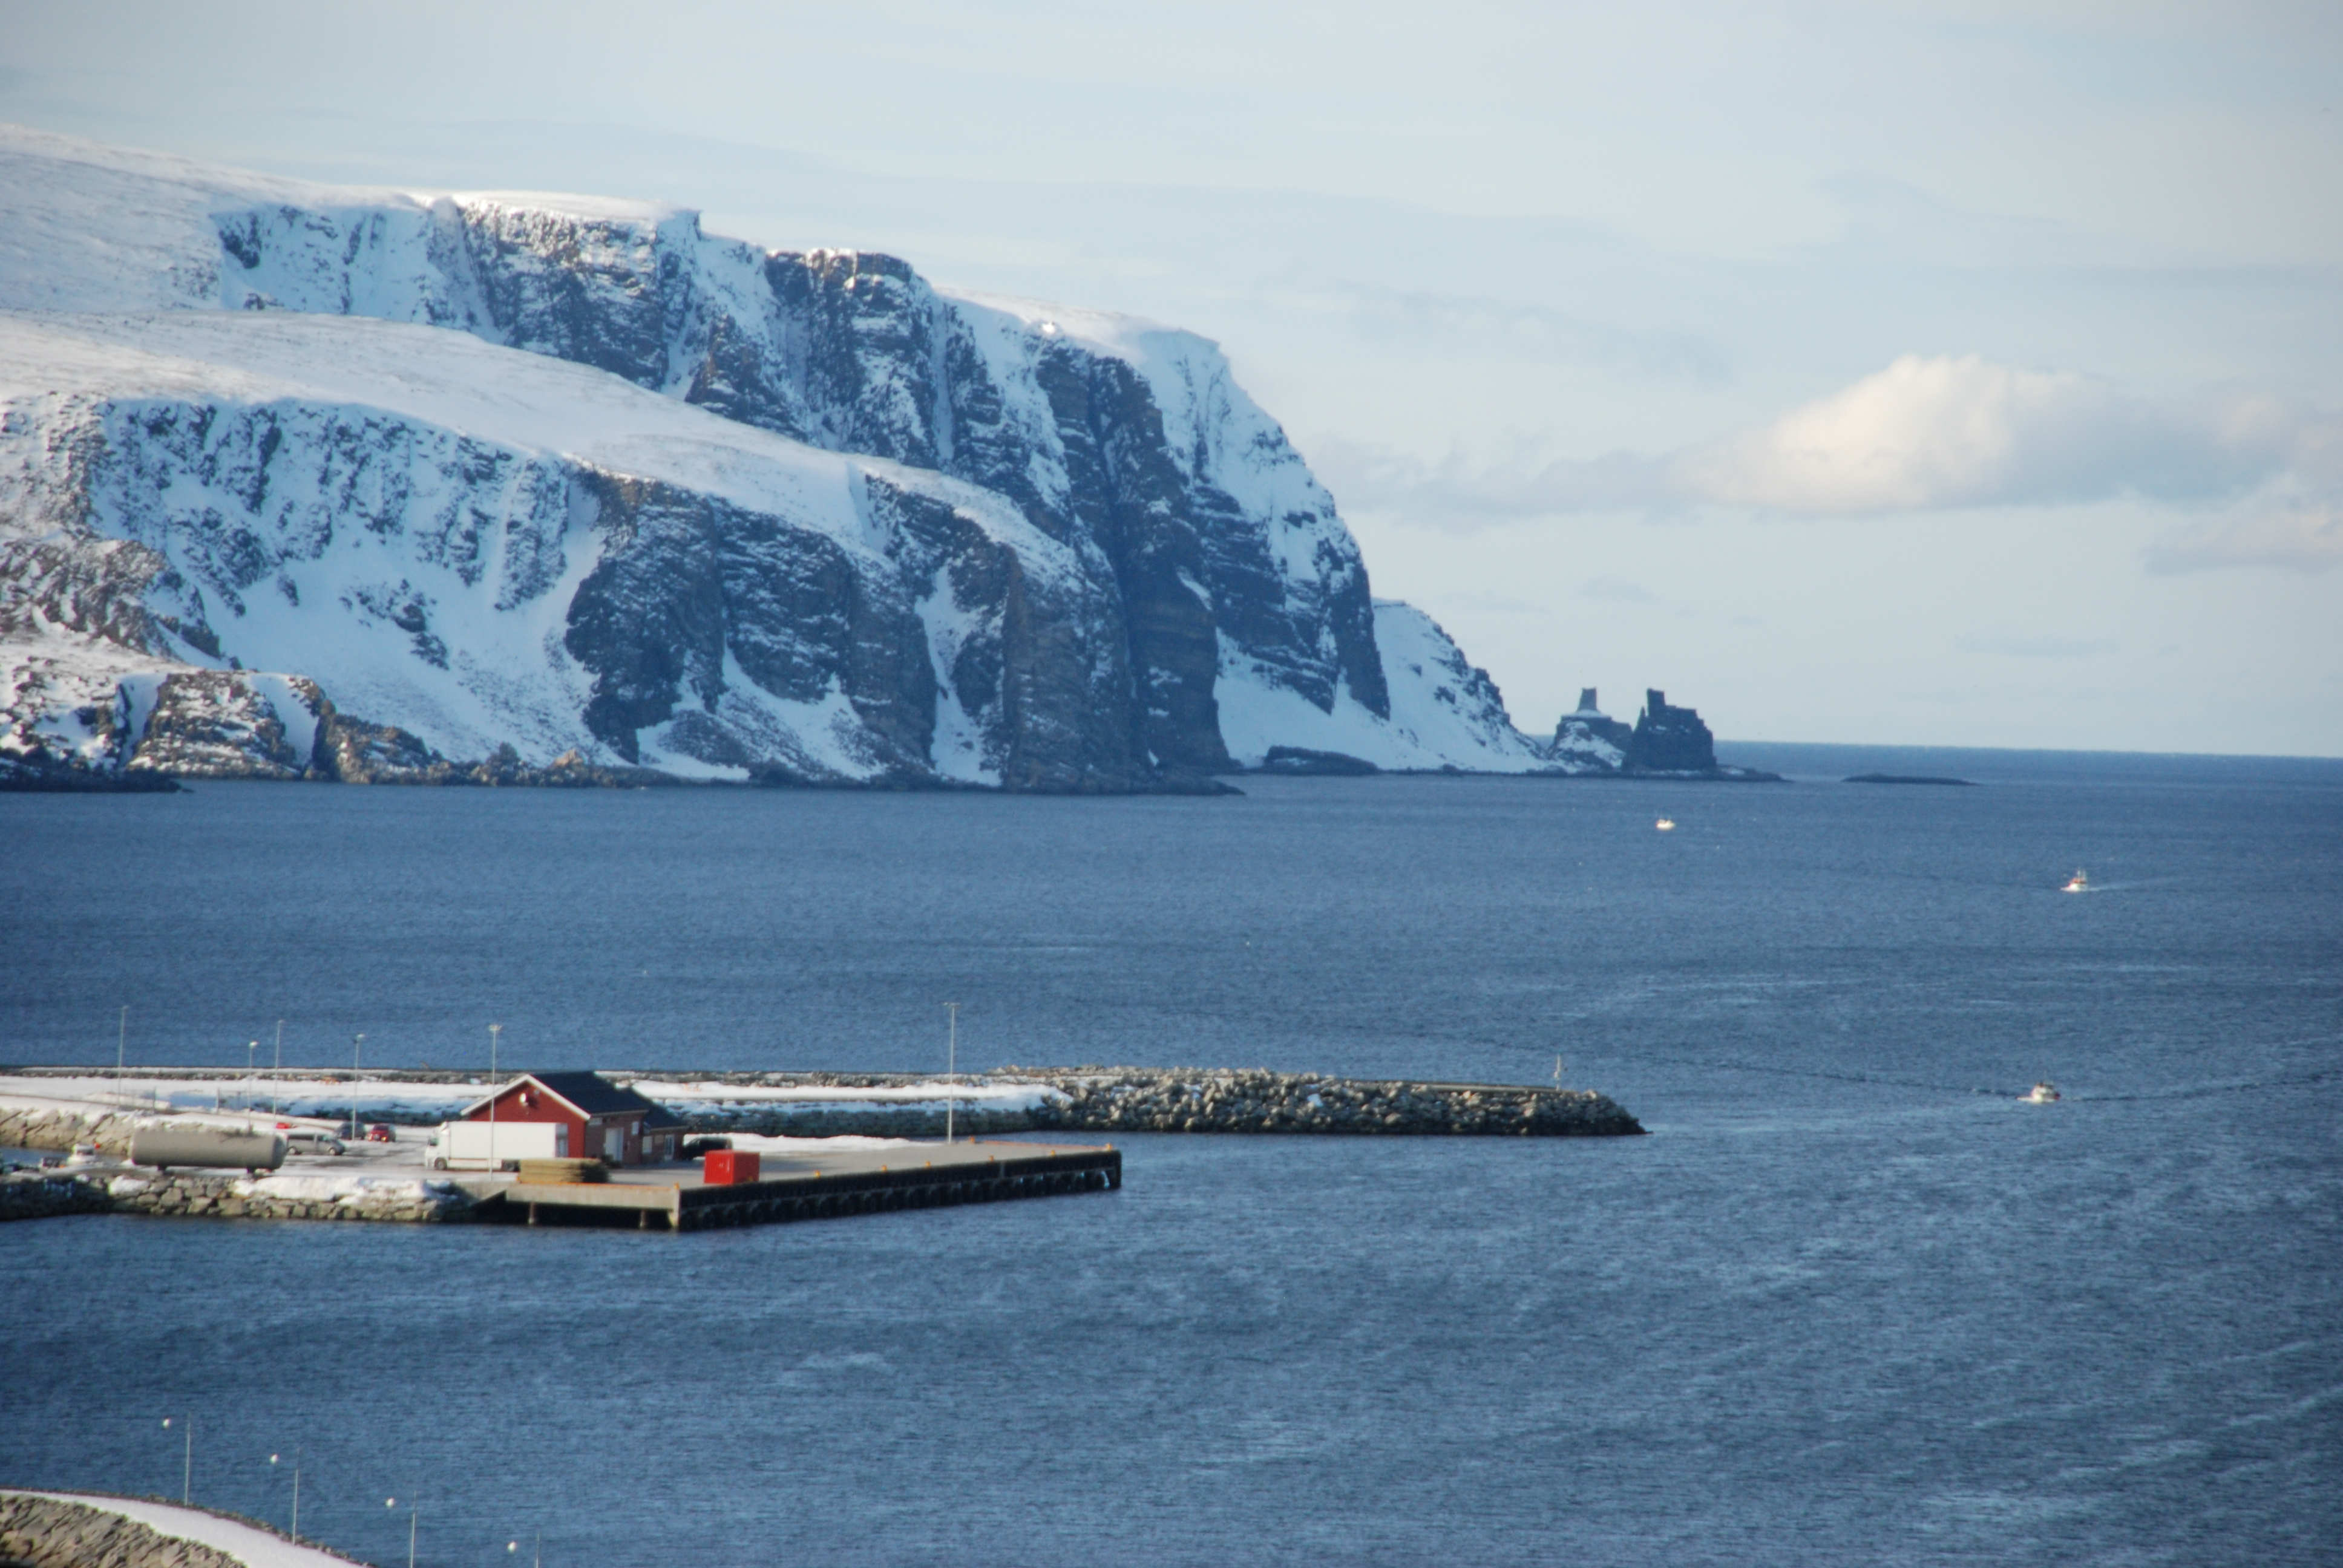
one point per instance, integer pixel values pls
(1928, 433)
(2290, 534)
(1932, 435)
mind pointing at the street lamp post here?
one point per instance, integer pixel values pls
(121, 1039)
(413, 1511)
(356, 1040)
(279, 1071)
(297, 1494)
(951, 1067)
(495, 1165)
(188, 1475)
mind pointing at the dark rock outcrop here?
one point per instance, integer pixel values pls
(1301, 759)
(1670, 739)
(1666, 743)
(42, 774)
(1589, 740)
(44, 1195)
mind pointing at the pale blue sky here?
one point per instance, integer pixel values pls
(1936, 373)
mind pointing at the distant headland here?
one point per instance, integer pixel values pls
(1907, 779)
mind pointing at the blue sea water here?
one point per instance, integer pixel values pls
(1848, 1303)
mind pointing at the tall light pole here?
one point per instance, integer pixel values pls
(280, 1066)
(413, 1508)
(187, 1476)
(297, 1494)
(951, 1066)
(494, 1165)
(356, 1040)
(121, 1038)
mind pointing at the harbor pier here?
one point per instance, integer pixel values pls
(808, 1187)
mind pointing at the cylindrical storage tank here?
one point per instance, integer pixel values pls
(208, 1148)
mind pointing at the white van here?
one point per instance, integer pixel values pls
(465, 1145)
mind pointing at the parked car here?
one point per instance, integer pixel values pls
(302, 1142)
(379, 1132)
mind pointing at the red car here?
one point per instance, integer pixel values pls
(379, 1132)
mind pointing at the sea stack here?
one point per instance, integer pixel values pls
(1670, 739)
(1590, 737)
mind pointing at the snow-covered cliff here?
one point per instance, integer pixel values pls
(545, 479)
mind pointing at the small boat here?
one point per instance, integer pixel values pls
(1665, 824)
(2043, 1093)
(2078, 883)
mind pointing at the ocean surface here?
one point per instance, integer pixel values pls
(1850, 1303)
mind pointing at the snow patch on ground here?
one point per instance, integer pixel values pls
(341, 1188)
(1443, 706)
(1444, 713)
(766, 1143)
(240, 1099)
(705, 1098)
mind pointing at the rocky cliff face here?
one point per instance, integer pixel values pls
(1123, 544)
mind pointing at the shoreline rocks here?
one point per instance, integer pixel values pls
(1184, 1100)
(46, 1531)
(50, 1532)
(225, 1195)
(48, 1194)
(1256, 1101)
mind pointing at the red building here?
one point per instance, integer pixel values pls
(600, 1119)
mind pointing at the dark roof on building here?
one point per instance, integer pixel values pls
(589, 1093)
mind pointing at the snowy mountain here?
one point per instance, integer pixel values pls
(500, 485)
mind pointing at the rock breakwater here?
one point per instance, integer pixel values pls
(51, 1532)
(1155, 1100)
(230, 1195)
(37, 1196)
(1168, 1100)
(225, 1196)
(97, 1530)
(62, 1126)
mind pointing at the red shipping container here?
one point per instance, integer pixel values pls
(728, 1167)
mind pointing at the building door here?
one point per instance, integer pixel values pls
(614, 1145)
(562, 1139)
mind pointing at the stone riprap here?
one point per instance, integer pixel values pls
(224, 1195)
(228, 1195)
(1178, 1099)
(64, 1125)
(39, 1196)
(1155, 1100)
(95, 1530)
(1078, 1099)
(50, 1532)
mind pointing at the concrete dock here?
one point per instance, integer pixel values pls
(812, 1186)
